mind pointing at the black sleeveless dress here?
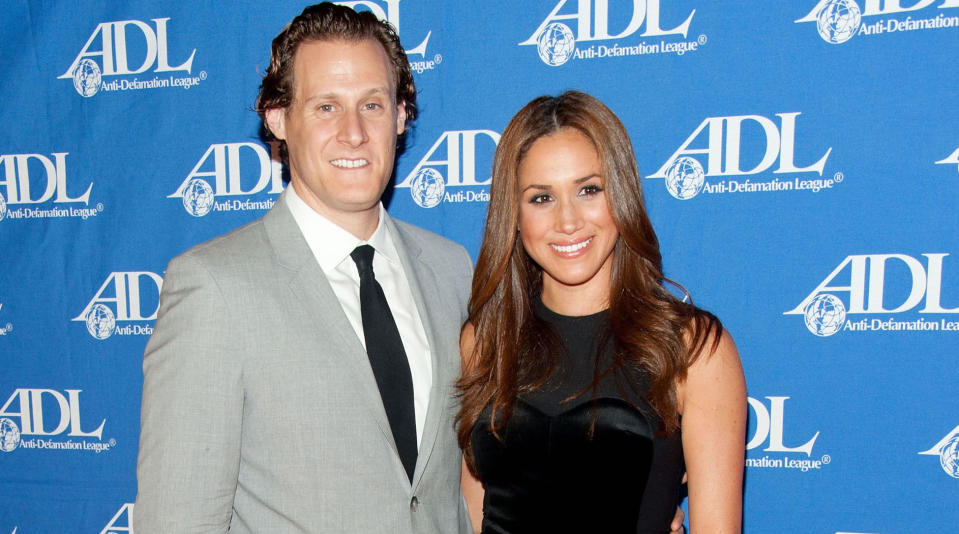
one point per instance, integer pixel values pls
(551, 475)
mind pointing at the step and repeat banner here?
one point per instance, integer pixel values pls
(799, 160)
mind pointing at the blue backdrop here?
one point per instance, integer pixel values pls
(799, 160)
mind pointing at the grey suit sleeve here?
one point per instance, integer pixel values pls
(191, 412)
(466, 271)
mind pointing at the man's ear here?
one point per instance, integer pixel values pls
(276, 121)
(400, 117)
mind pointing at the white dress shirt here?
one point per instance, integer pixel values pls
(331, 246)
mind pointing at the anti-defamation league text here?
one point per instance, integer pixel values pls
(749, 186)
(57, 213)
(876, 325)
(185, 82)
(803, 464)
(641, 49)
(71, 445)
(243, 205)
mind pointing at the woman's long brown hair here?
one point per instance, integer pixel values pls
(513, 352)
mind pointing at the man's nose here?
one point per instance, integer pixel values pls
(352, 129)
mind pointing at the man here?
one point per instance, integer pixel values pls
(267, 405)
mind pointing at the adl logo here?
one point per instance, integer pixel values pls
(114, 55)
(23, 416)
(951, 158)
(391, 15)
(840, 20)
(867, 287)
(31, 179)
(769, 429)
(685, 175)
(223, 164)
(126, 292)
(122, 521)
(428, 185)
(948, 452)
(556, 42)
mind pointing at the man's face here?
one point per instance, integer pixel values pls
(340, 130)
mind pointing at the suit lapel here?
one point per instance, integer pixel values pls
(309, 285)
(421, 276)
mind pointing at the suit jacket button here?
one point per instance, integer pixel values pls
(414, 503)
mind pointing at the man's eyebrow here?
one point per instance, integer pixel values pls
(330, 95)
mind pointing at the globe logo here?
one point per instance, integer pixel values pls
(427, 188)
(9, 435)
(685, 178)
(556, 44)
(198, 197)
(825, 315)
(3, 208)
(86, 77)
(838, 21)
(949, 456)
(101, 321)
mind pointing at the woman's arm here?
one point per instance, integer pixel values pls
(472, 489)
(712, 402)
(473, 493)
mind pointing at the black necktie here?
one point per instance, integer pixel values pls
(387, 358)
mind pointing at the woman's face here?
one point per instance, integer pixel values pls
(564, 219)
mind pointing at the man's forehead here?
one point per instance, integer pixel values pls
(343, 51)
(354, 65)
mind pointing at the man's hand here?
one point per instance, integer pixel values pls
(676, 527)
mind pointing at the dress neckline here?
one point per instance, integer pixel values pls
(543, 312)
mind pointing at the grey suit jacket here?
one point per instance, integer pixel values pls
(260, 412)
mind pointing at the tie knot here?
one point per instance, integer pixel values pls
(363, 257)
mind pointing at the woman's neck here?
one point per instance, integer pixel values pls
(572, 301)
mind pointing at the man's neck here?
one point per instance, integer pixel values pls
(360, 223)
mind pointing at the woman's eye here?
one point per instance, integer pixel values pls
(539, 199)
(591, 189)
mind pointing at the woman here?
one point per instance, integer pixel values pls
(586, 384)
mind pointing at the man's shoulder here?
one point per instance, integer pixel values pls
(241, 244)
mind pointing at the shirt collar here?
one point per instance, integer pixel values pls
(330, 243)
